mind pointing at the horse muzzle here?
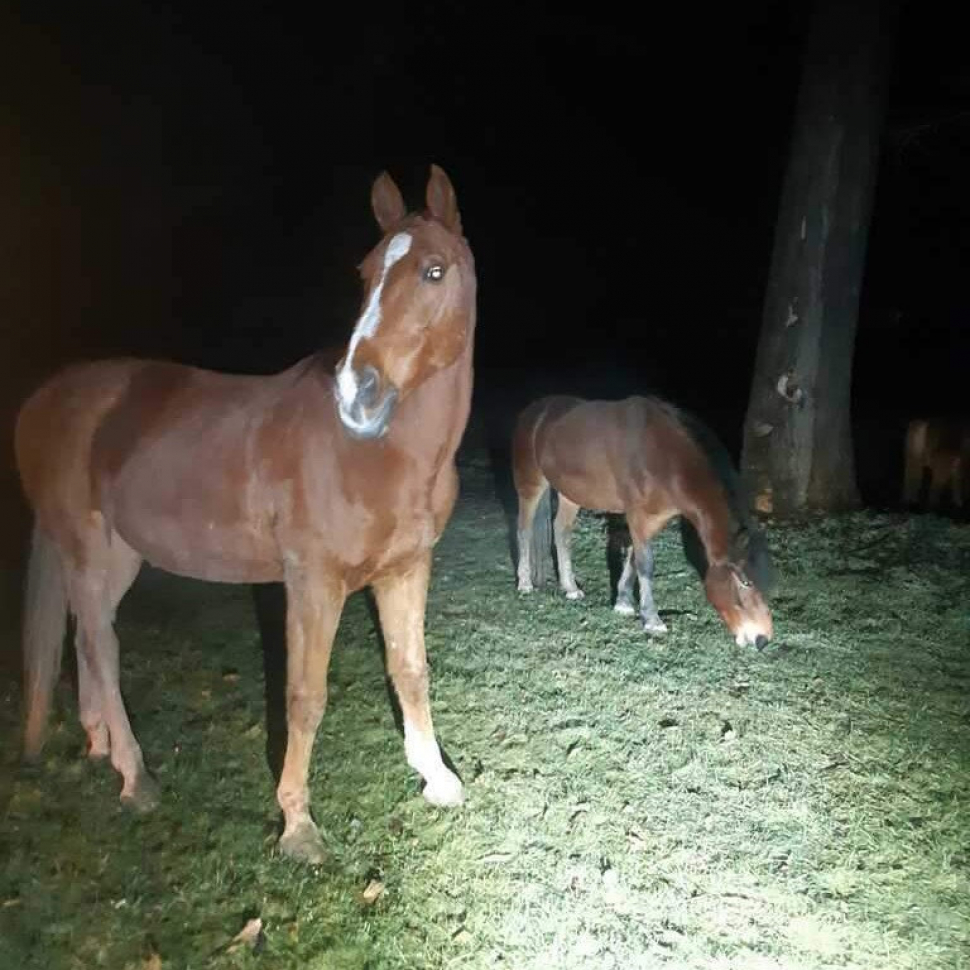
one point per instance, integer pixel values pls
(364, 409)
(754, 635)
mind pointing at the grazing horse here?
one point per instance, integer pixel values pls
(939, 447)
(645, 458)
(326, 478)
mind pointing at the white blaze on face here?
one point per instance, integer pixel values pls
(370, 319)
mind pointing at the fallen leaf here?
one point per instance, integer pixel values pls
(495, 857)
(250, 935)
(373, 892)
(636, 841)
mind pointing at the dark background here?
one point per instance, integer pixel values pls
(192, 181)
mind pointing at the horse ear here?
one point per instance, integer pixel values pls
(442, 203)
(387, 202)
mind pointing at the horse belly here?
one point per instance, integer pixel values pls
(187, 524)
(211, 553)
(589, 491)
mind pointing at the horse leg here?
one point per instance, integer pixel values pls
(95, 590)
(938, 476)
(123, 569)
(314, 602)
(529, 499)
(563, 533)
(643, 528)
(649, 616)
(624, 588)
(89, 703)
(401, 601)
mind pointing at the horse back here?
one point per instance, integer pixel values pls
(611, 455)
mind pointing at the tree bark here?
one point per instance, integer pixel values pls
(797, 452)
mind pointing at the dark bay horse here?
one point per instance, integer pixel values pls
(643, 457)
(326, 480)
(937, 449)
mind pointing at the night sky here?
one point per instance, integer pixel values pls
(195, 185)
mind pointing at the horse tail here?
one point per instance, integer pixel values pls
(542, 571)
(528, 479)
(45, 621)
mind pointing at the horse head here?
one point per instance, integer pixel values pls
(418, 310)
(732, 590)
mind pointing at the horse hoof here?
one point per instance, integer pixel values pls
(144, 796)
(303, 844)
(98, 743)
(31, 757)
(445, 792)
(624, 609)
(526, 588)
(654, 627)
(575, 594)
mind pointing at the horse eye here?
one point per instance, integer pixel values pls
(434, 272)
(743, 580)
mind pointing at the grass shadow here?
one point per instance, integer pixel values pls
(498, 427)
(269, 600)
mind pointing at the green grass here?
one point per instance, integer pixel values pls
(631, 803)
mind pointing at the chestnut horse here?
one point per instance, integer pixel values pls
(939, 447)
(327, 481)
(643, 457)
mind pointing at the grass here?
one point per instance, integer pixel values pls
(631, 803)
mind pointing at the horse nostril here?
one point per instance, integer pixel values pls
(760, 642)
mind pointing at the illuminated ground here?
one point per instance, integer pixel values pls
(631, 803)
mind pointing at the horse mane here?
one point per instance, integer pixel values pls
(757, 561)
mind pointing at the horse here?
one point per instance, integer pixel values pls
(644, 458)
(328, 476)
(940, 448)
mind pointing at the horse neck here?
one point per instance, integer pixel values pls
(431, 421)
(706, 504)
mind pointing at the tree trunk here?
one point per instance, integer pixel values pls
(797, 452)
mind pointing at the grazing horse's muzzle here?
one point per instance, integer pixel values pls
(754, 631)
(364, 411)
